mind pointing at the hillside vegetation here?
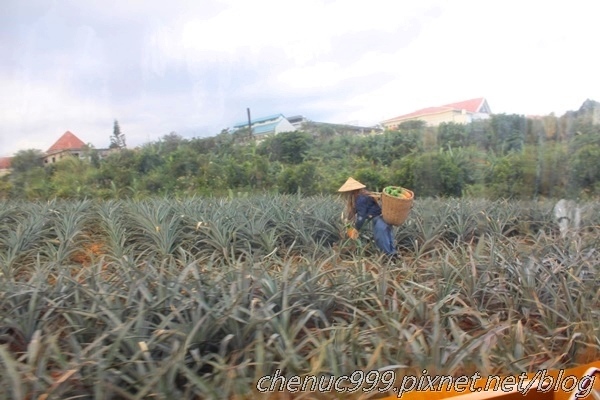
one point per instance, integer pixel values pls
(507, 156)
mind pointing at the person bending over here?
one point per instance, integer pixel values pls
(361, 207)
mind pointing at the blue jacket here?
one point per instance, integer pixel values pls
(366, 209)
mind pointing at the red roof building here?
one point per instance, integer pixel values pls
(68, 141)
(67, 145)
(461, 112)
(5, 162)
(5, 165)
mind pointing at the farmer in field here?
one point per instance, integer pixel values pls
(361, 207)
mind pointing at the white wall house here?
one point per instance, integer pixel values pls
(267, 126)
(462, 112)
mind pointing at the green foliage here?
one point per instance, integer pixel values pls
(287, 147)
(427, 174)
(117, 140)
(372, 178)
(5, 188)
(34, 183)
(585, 168)
(454, 170)
(504, 156)
(552, 163)
(451, 134)
(118, 169)
(511, 176)
(25, 160)
(507, 132)
(391, 145)
(412, 126)
(402, 172)
(169, 143)
(71, 180)
(301, 178)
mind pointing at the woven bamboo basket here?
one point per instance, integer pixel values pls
(395, 210)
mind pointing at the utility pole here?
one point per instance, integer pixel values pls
(249, 123)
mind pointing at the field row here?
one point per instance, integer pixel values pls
(199, 298)
(56, 231)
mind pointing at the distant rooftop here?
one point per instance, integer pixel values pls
(68, 141)
(262, 129)
(5, 162)
(259, 120)
(472, 106)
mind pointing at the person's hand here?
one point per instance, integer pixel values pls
(352, 233)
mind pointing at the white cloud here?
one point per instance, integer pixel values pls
(302, 29)
(37, 113)
(196, 66)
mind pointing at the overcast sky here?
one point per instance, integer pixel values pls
(193, 67)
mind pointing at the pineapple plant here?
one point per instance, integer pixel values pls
(200, 297)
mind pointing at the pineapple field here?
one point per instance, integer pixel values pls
(198, 298)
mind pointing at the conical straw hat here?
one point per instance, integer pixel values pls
(350, 185)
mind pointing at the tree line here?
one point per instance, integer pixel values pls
(505, 156)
